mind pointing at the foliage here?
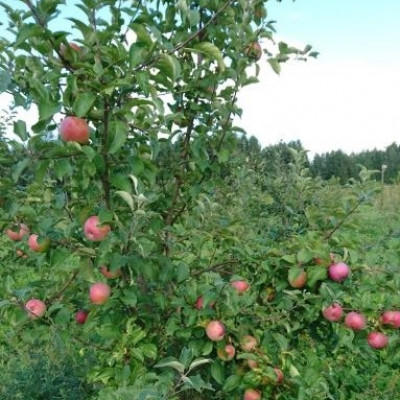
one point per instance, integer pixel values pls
(192, 204)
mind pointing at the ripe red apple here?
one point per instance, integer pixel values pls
(74, 129)
(377, 340)
(215, 331)
(391, 318)
(333, 312)
(355, 321)
(252, 363)
(199, 303)
(80, 316)
(17, 236)
(248, 343)
(279, 375)
(240, 286)
(251, 394)
(254, 51)
(226, 353)
(339, 272)
(99, 293)
(297, 277)
(36, 308)
(71, 45)
(94, 231)
(110, 274)
(38, 244)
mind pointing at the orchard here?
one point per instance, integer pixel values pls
(149, 249)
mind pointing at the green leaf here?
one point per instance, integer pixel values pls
(209, 50)
(217, 371)
(83, 103)
(127, 197)
(275, 65)
(120, 133)
(20, 130)
(316, 273)
(171, 362)
(5, 80)
(231, 383)
(47, 109)
(198, 362)
(169, 66)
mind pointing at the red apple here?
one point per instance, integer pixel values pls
(80, 316)
(74, 129)
(391, 318)
(64, 49)
(251, 394)
(333, 312)
(38, 244)
(339, 272)
(199, 303)
(254, 51)
(279, 375)
(36, 308)
(17, 236)
(226, 353)
(20, 253)
(252, 363)
(240, 286)
(248, 343)
(94, 231)
(99, 293)
(297, 277)
(110, 274)
(377, 340)
(355, 321)
(215, 331)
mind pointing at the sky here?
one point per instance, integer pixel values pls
(349, 97)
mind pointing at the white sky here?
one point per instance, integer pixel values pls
(351, 105)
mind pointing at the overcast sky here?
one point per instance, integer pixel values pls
(349, 98)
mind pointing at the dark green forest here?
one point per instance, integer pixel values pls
(334, 164)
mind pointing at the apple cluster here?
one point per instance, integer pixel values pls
(99, 292)
(226, 351)
(356, 320)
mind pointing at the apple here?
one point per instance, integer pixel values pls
(94, 231)
(17, 236)
(99, 293)
(252, 363)
(74, 129)
(338, 272)
(71, 45)
(355, 321)
(279, 375)
(391, 318)
(110, 274)
(251, 394)
(215, 330)
(80, 316)
(377, 340)
(226, 353)
(240, 286)
(199, 303)
(36, 308)
(297, 277)
(38, 244)
(254, 51)
(20, 253)
(248, 343)
(333, 312)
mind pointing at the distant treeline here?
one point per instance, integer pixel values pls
(335, 164)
